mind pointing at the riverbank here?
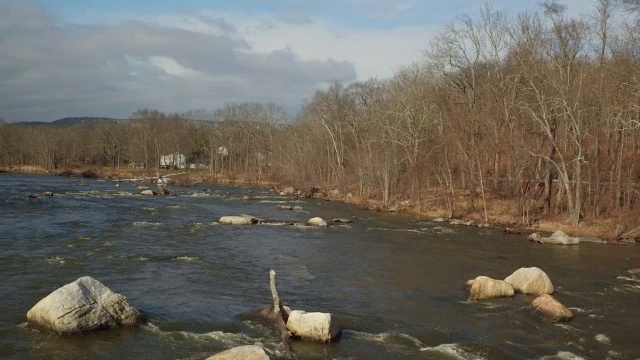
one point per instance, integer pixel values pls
(500, 213)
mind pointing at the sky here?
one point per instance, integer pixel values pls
(61, 58)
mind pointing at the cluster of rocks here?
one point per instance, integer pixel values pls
(86, 305)
(252, 220)
(162, 191)
(459, 222)
(309, 192)
(42, 194)
(557, 238)
(528, 281)
(290, 207)
(309, 326)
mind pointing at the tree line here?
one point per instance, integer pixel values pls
(541, 109)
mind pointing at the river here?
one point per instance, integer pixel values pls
(395, 282)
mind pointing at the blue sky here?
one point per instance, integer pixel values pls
(357, 13)
(110, 58)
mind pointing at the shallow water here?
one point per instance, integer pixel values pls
(395, 282)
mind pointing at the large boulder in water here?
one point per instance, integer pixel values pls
(247, 352)
(531, 281)
(560, 238)
(483, 287)
(314, 326)
(547, 306)
(317, 222)
(83, 305)
(237, 220)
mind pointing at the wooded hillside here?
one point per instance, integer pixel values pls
(539, 109)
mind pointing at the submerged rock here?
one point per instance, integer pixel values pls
(47, 193)
(547, 306)
(482, 288)
(317, 222)
(247, 352)
(285, 207)
(603, 339)
(535, 237)
(531, 281)
(460, 222)
(83, 305)
(237, 220)
(342, 221)
(438, 220)
(313, 326)
(557, 238)
(268, 314)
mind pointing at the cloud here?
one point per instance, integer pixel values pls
(51, 69)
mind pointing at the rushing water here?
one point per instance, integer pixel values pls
(396, 283)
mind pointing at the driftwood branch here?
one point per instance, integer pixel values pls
(279, 311)
(629, 233)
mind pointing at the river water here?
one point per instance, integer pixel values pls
(396, 283)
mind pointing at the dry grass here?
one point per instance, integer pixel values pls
(29, 169)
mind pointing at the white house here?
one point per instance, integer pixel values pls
(175, 160)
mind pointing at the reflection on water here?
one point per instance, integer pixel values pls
(396, 283)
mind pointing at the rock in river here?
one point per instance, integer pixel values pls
(148, 193)
(83, 305)
(342, 221)
(547, 306)
(237, 220)
(531, 281)
(557, 238)
(247, 352)
(316, 221)
(313, 326)
(483, 287)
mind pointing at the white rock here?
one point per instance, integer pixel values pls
(530, 281)
(314, 326)
(460, 222)
(316, 221)
(603, 339)
(247, 352)
(147, 193)
(546, 305)
(438, 220)
(237, 220)
(561, 238)
(483, 287)
(83, 305)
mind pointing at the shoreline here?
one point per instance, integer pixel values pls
(499, 217)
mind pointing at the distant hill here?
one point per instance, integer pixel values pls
(68, 121)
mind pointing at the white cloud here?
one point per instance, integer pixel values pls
(373, 52)
(171, 66)
(52, 69)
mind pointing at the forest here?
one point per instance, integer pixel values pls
(539, 111)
